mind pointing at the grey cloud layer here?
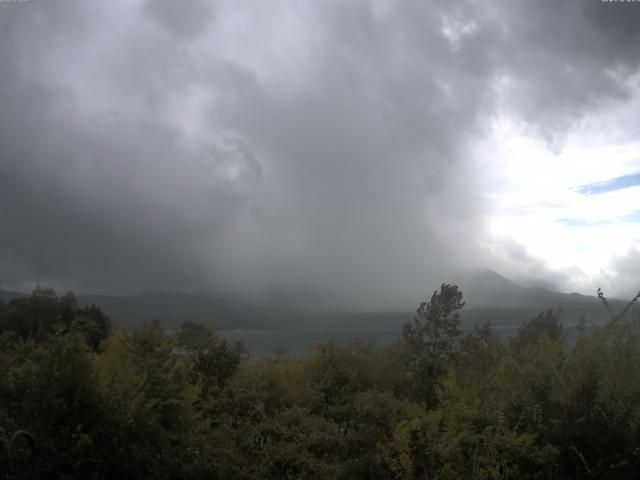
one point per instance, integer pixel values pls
(297, 151)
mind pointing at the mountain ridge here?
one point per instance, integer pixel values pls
(489, 296)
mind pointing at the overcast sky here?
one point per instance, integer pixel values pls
(342, 154)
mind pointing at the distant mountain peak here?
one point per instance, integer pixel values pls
(489, 289)
(486, 275)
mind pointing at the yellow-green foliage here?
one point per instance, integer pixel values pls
(144, 404)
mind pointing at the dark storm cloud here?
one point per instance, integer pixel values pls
(187, 18)
(302, 152)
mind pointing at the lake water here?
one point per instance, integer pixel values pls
(296, 343)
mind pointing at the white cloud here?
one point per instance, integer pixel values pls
(535, 201)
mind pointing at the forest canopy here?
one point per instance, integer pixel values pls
(146, 403)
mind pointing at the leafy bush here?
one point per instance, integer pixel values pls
(436, 404)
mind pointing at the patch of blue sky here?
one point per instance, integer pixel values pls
(580, 222)
(618, 183)
(632, 217)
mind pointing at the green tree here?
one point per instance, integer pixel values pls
(431, 341)
(147, 414)
(435, 327)
(193, 337)
(213, 361)
(44, 314)
(547, 325)
(48, 389)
